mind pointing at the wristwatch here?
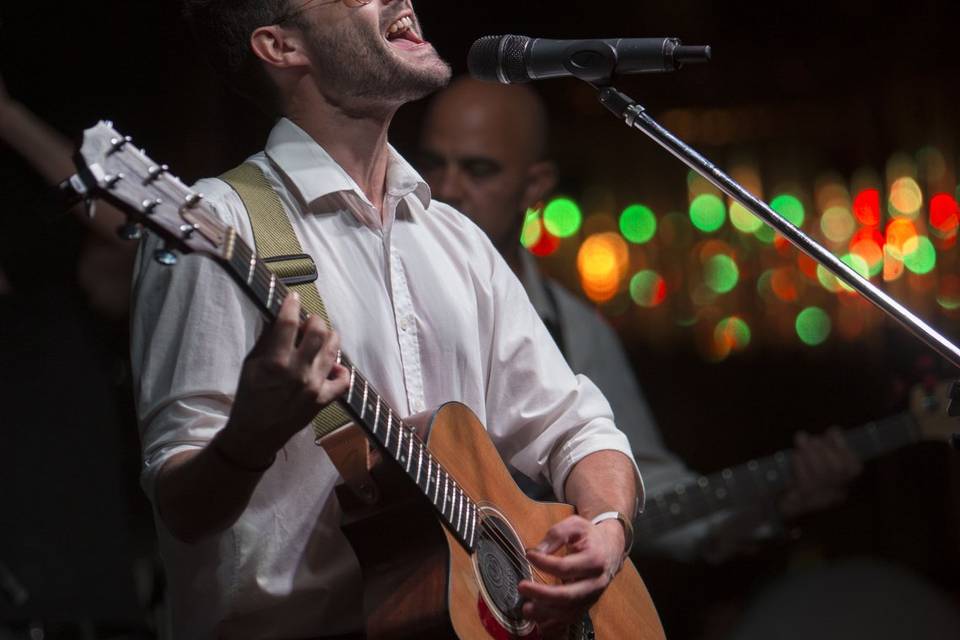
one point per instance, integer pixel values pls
(627, 527)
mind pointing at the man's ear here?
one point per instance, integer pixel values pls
(278, 47)
(541, 181)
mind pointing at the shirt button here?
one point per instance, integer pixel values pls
(404, 325)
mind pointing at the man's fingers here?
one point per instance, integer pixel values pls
(567, 531)
(278, 339)
(326, 357)
(313, 338)
(575, 566)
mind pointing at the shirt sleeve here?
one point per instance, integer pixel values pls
(542, 417)
(191, 329)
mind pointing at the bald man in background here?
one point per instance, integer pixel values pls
(483, 150)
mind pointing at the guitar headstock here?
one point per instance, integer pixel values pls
(929, 406)
(112, 168)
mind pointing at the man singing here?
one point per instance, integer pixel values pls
(247, 517)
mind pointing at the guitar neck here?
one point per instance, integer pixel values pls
(364, 404)
(758, 480)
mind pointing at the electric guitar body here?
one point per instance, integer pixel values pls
(420, 582)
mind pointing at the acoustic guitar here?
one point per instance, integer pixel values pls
(441, 490)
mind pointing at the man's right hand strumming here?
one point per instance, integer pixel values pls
(289, 376)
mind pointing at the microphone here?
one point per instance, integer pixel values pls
(509, 59)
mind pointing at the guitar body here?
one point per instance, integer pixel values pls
(427, 585)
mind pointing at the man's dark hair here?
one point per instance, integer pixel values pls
(222, 28)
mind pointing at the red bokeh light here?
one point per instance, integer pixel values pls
(546, 245)
(866, 206)
(944, 215)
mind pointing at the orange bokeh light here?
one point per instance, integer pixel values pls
(899, 231)
(783, 285)
(602, 262)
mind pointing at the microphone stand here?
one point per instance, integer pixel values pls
(635, 116)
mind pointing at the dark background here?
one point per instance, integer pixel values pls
(841, 85)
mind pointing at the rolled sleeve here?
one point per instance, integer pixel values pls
(191, 330)
(542, 417)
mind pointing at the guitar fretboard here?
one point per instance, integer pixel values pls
(367, 407)
(757, 480)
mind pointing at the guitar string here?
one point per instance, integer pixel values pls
(263, 279)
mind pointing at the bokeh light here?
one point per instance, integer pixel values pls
(731, 334)
(707, 212)
(546, 245)
(602, 262)
(948, 293)
(648, 289)
(813, 326)
(743, 220)
(919, 255)
(638, 224)
(944, 215)
(721, 274)
(783, 283)
(837, 224)
(899, 231)
(789, 207)
(906, 198)
(866, 207)
(562, 217)
(532, 228)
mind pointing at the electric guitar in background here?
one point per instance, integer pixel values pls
(762, 479)
(445, 486)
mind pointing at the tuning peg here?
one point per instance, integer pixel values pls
(130, 232)
(165, 257)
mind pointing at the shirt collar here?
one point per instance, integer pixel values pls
(536, 287)
(315, 174)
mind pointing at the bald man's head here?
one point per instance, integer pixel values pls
(484, 151)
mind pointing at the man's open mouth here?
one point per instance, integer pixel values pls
(402, 34)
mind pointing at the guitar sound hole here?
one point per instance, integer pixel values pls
(502, 565)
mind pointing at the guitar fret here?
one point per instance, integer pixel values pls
(399, 438)
(436, 492)
(446, 488)
(363, 404)
(427, 480)
(376, 418)
(419, 465)
(253, 266)
(273, 289)
(353, 376)
(410, 454)
(460, 510)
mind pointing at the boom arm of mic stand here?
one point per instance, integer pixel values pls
(636, 117)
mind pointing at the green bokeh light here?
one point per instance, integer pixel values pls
(920, 256)
(743, 220)
(790, 208)
(721, 273)
(733, 333)
(647, 288)
(813, 326)
(765, 234)
(638, 224)
(532, 228)
(858, 264)
(707, 212)
(562, 217)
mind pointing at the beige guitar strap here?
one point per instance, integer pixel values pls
(277, 244)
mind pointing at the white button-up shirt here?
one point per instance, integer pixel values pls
(426, 309)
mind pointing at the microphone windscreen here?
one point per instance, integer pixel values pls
(499, 59)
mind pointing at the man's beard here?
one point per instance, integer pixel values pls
(357, 63)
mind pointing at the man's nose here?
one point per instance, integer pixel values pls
(449, 188)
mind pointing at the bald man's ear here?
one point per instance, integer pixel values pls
(541, 181)
(279, 47)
